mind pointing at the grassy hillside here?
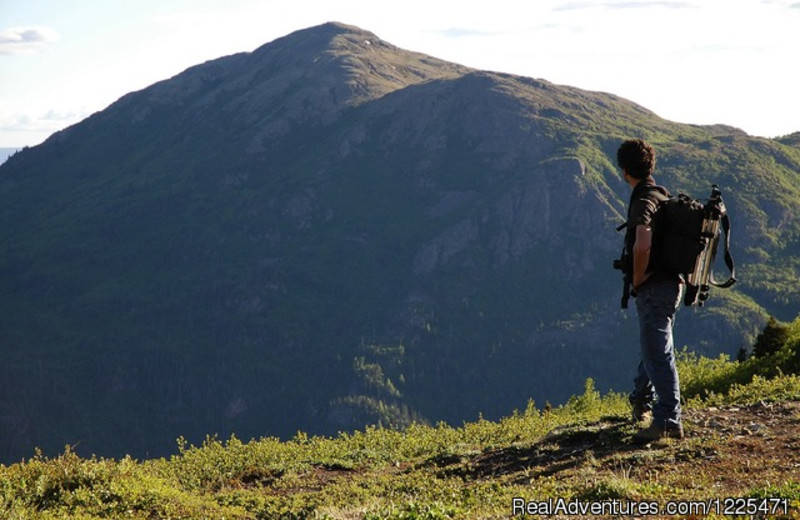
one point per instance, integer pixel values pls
(741, 420)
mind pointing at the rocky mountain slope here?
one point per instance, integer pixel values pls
(330, 231)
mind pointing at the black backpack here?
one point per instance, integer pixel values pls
(686, 236)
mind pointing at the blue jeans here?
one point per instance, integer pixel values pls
(657, 378)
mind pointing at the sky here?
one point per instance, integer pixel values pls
(689, 61)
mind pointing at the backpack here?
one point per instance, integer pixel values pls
(686, 236)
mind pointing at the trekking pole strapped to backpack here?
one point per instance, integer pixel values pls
(700, 279)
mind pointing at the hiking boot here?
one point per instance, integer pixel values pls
(655, 432)
(641, 412)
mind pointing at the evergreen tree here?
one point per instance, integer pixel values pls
(771, 339)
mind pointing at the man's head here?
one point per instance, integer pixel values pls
(636, 158)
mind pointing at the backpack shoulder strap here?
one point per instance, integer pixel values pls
(726, 230)
(660, 193)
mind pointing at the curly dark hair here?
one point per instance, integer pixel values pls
(637, 158)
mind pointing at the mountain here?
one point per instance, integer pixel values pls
(331, 231)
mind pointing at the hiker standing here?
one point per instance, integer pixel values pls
(657, 293)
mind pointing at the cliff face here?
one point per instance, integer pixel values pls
(330, 231)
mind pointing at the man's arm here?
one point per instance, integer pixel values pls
(641, 255)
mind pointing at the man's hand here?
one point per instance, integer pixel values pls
(641, 255)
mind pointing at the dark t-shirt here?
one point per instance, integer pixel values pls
(643, 203)
(642, 206)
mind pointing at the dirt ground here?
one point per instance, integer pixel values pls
(727, 453)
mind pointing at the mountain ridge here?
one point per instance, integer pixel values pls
(237, 249)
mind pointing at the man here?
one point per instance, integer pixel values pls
(656, 387)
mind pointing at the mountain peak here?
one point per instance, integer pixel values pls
(336, 53)
(323, 35)
(308, 75)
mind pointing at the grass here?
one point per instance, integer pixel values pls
(576, 453)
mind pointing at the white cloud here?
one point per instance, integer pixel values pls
(461, 32)
(622, 5)
(32, 127)
(26, 40)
